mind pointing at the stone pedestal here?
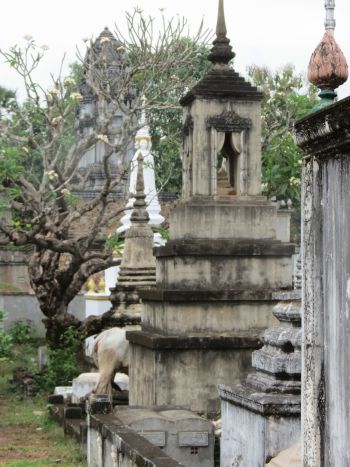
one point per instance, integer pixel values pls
(213, 299)
(261, 416)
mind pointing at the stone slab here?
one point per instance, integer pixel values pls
(183, 318)
(223, 272)
(225, 247)
(231, 294)
(262, 403)
(151, 340)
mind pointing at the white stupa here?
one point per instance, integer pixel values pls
(143, 144)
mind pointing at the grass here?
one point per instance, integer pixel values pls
(28, 435)
(7, 287)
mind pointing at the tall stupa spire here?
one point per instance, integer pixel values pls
(327, 67)
(221, 53)
(139, 213)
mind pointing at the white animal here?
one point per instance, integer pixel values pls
(111, 355)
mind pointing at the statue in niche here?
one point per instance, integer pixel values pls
(226, 175)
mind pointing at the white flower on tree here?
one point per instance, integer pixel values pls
(103, 138)
(76, 96)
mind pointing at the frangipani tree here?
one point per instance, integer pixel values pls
(41, 152)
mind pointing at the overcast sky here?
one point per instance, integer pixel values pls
(262, 32)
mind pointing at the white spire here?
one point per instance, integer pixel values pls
(143, 133)
(329, 23)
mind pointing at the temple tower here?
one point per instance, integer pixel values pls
(108, 56)
(217, 274)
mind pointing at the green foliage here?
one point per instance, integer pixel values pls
(165, 123)
(30, 437)
(63, 361)
(164, 233)
(6, 344)
(7, 99)
(22, 332)
(114, 243)
(286, 99)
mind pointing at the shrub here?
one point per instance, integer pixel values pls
(6, 343)
(63, 361)
(22, 332)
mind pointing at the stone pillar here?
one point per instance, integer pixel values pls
(261, 416)
(137, 270)
(324, 136)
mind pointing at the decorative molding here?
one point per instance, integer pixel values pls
(229, 121)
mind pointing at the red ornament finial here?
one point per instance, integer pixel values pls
(327, 67)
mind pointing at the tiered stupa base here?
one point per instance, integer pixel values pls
(213, 299)
(261, 415)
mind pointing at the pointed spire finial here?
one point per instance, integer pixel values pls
(329, 23)
(327, 67)
(221, 53)
(221, 30)
(139, 213)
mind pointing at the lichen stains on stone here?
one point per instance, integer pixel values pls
(328, 68)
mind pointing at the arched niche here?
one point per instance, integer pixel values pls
(228, 167)
(228, 136)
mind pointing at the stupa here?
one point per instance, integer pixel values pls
(217, 275)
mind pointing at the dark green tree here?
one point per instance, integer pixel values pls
(287, 97)
(7, 100)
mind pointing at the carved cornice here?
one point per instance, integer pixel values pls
(229, 121)
(325, 133)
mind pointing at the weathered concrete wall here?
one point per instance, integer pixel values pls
(241, 426)
(13, 270)
(175, 376)
(25, 307)
(224, 218)
(336, 306)
(324, 136)
(192, 317)
(220, 272)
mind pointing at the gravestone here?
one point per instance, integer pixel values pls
(181, 434)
